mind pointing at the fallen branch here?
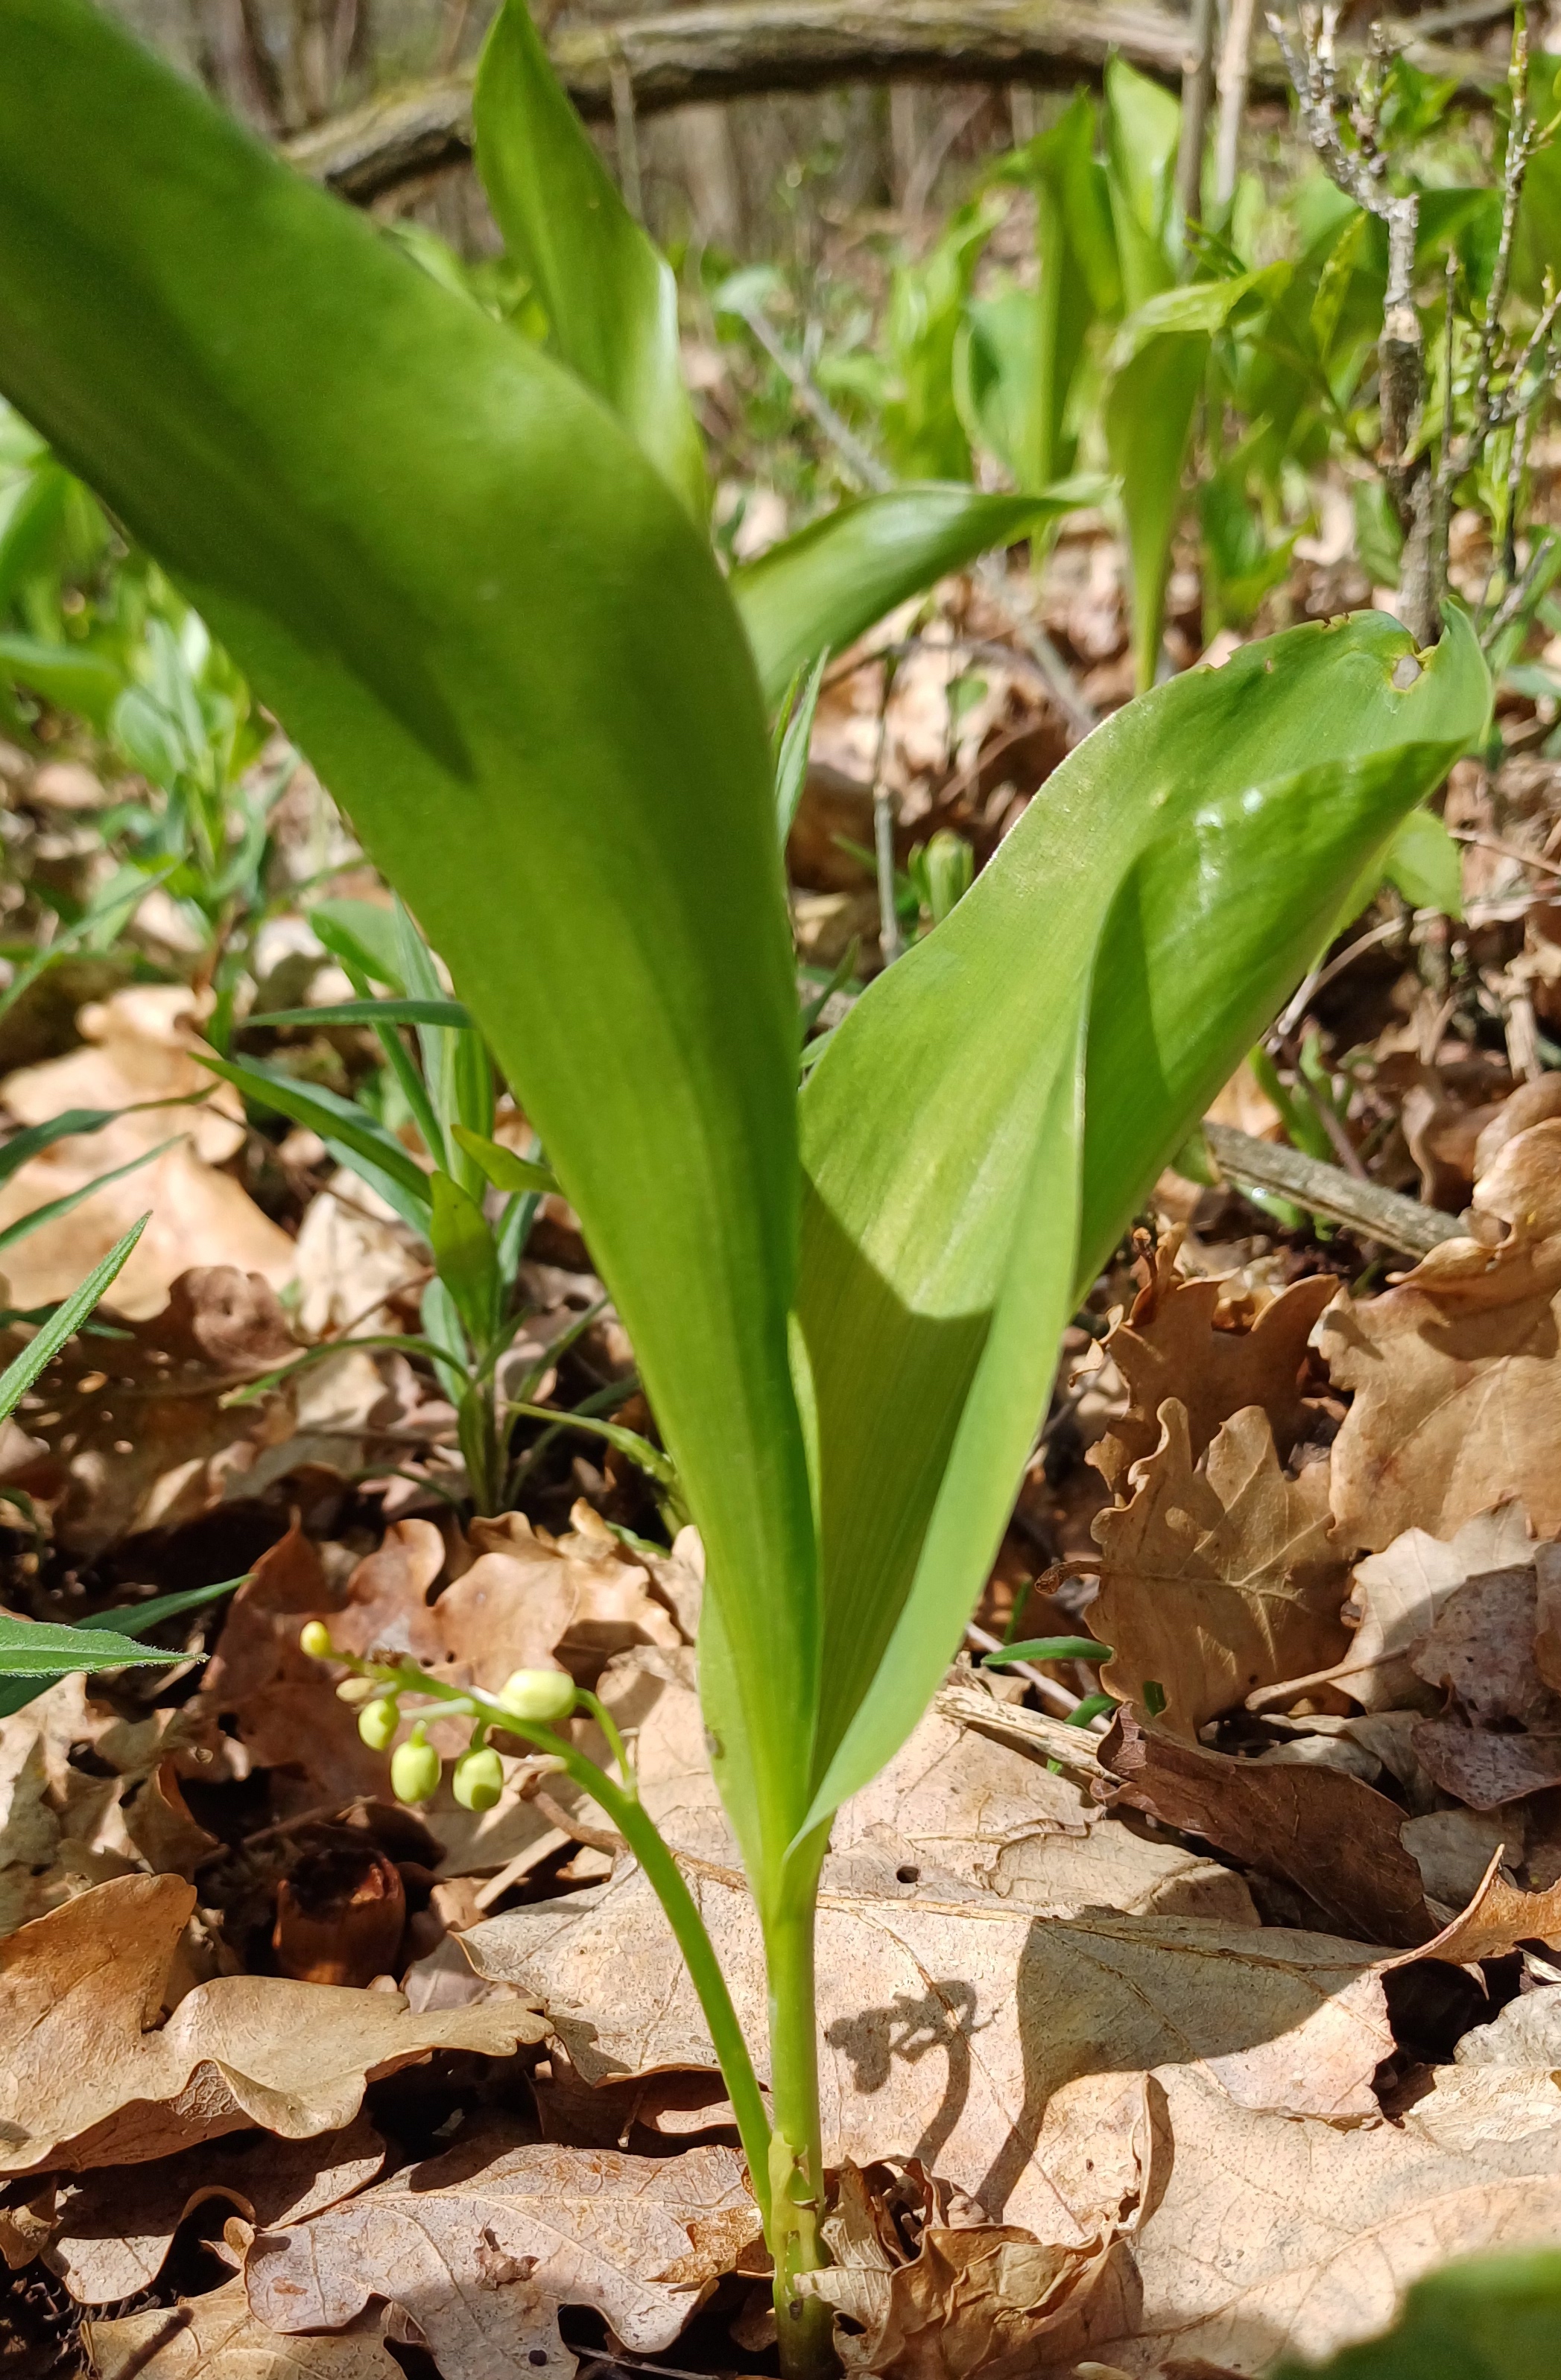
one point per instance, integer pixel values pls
(1328, 1190)
(737, 48)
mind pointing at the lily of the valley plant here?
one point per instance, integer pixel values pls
(471, 576)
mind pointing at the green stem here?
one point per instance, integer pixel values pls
(644, 1839)
(797, 2184)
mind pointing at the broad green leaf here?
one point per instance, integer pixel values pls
(1426, 864)
(63, 1324)
(129, 1620)
(39, 1648)
(67, 675)
(506, 646)
(502, 1167)
(919, 418)
(1058, 166)
(609, 296)
(1142, 131)
(830, 582)
(1161, 356)
(467, 1261)
(341, 1121)
(447, 1012)
(1185, 860)
(1490, 2318)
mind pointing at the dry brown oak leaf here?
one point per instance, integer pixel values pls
(946, 2023)
(111, 2241)
(1176, 1342)
(523, 1602)
(974, 2299)
(1217, 1581)
(87, 2079)
(1335, 1838)
(66, 1819)
(216, 2338)
(1267, 2238)
(119, 1436)
(1457, 1386)
(474, 2252)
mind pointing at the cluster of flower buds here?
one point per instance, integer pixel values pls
(542, 1697)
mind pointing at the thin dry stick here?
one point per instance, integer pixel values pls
(1365, 1207)
(625, 126)
(1234, 72)
(1196, 77)
(889, 942)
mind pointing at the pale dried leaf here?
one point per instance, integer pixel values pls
(1272, 2238)
(112, 2242)
(85, 2081)
(1215, 1583)
(1398, 1593)
(479, 2248)
(1482, 1651)
(137, 1046)
(946, 2023)
(1526, 2032)
(1453, 1848)
(218, 2338)
(1483, 1769)
(953, 1802)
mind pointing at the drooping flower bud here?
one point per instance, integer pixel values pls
(478, 1778)
(540, 1694)
(314, 1638)
(414, 1769)
(377, 1722)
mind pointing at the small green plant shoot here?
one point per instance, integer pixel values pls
(471, 576)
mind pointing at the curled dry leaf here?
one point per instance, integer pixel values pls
(1217, 1582)
(85, 2080)
(474, 2252)
(1395, 1599)
(1330, 1835)
(1298, 2238)
(947, 2022)
(218, 2338)
(928, 2286)
(137, 1046)
(124, 1434)
(1457, 1393)
(1499, 1917)
(111, 2243)
(1179, 1341)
